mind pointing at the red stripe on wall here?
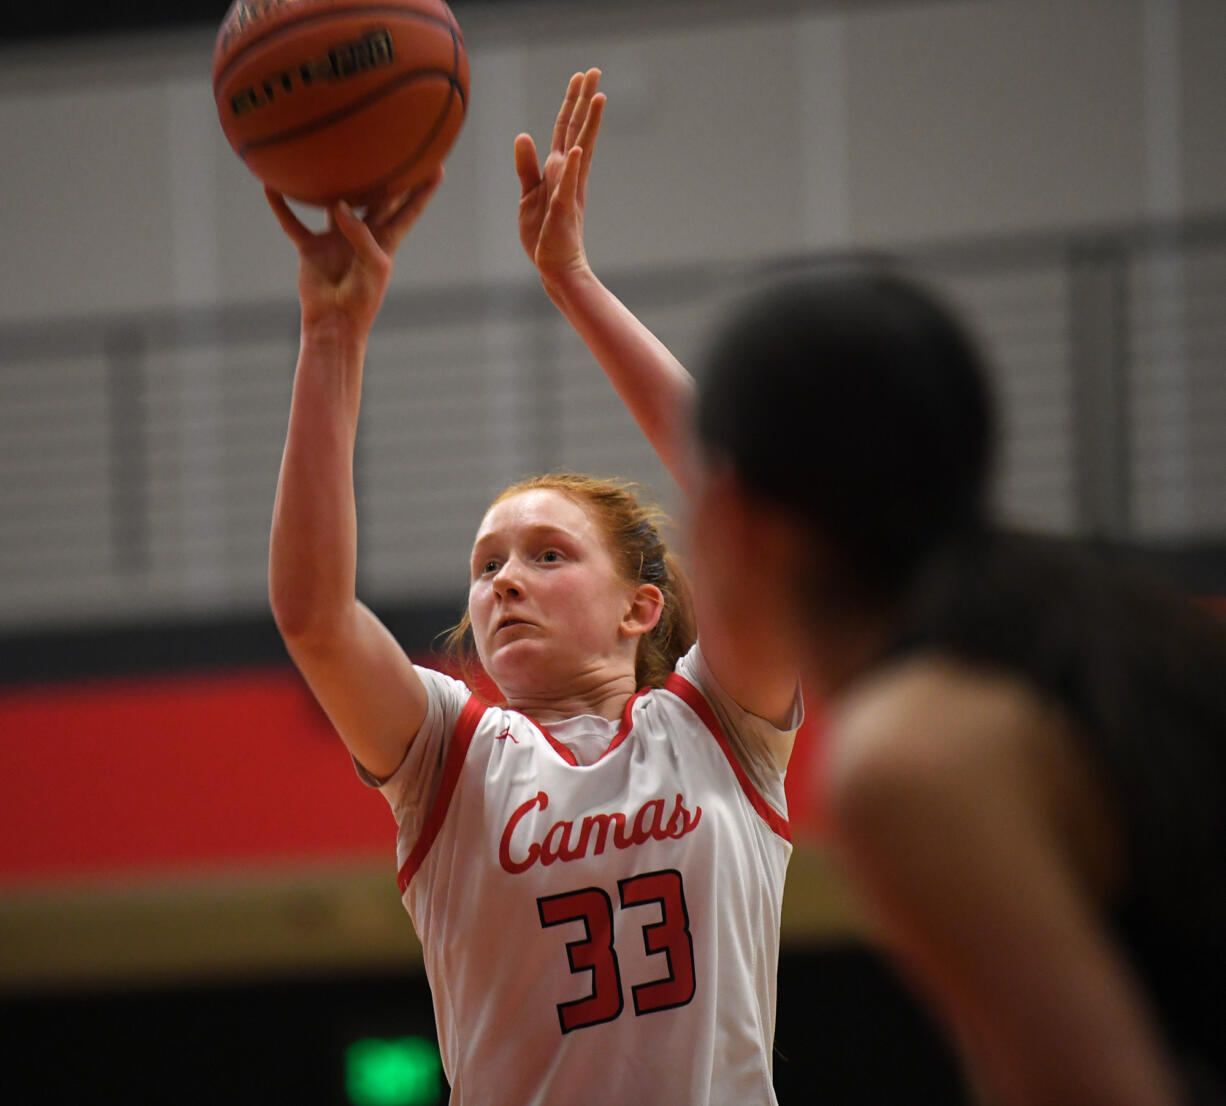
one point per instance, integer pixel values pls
(179, 773)
(175, 773)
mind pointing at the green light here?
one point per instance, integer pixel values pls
(404, 1071)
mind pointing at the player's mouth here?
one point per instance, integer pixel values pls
(507, 623)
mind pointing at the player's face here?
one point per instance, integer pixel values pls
(545, 599)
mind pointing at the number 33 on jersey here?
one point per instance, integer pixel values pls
(620, 902)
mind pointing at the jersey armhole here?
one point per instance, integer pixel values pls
(694, 699)
(466, 725)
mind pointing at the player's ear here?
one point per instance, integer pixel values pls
(643, 611)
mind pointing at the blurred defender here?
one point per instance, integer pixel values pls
(1028, 774)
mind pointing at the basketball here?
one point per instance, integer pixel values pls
(328, 100)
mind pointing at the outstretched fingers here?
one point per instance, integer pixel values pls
(355, 231)
(381, 210)
(561, 125)
(586, 141)
(301, 235)
(395, 224)
(567, 197)
(588, 86)
(527, 164)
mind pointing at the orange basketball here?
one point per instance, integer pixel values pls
(340, 99)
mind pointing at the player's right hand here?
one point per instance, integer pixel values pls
(344, 270)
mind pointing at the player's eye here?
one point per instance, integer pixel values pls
(488, 567)
(551, 556)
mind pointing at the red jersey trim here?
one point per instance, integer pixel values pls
(471, 714)
(557, 746)
(693, 698)
(623, 732)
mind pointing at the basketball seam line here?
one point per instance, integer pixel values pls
(349, 109)
(271, 34)
(421, 146)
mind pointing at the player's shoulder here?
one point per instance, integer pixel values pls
(449, 699)
(690, 685)
(935, 749)
(932, 724)
(686, 693)
(441, 684)
(690, 666)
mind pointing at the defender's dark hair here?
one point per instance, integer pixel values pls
(852, 396)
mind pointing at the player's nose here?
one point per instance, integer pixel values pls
(508, 580)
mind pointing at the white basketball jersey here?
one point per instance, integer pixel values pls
(601, 932)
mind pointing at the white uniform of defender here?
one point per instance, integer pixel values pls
(598, 902)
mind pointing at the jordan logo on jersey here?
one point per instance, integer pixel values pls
(566, 841)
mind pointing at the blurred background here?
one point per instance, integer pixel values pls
(197, 897)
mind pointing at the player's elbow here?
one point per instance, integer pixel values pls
(290, 612)
(301, 617)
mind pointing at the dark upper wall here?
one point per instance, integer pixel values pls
(56, 19)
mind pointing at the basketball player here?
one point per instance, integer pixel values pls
(594, 862)
(1028, 763)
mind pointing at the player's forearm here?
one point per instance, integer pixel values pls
(313, 551)
(653, 384)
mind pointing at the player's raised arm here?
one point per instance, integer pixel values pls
(652, 383)
(356, 669)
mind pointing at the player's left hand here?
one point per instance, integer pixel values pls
(553, 196)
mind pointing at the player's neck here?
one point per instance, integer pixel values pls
(602, 694)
